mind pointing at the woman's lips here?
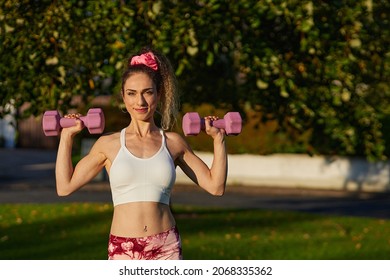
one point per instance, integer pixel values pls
(141, 110)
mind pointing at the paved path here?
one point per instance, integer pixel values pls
(27, 176)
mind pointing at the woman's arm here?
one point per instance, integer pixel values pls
(212, 179)
(69, 179)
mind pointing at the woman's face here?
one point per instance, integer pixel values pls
(140, 97)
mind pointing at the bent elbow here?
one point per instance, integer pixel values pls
(63, 192)
(219, 191)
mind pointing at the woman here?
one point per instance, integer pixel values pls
(141, 162)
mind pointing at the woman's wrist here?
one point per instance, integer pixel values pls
(219, 138)
(65, 134)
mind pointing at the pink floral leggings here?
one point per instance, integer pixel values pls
(162, 246)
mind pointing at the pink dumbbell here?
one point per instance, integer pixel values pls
(52, 122)
(193, 123)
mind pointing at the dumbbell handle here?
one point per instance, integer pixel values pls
(220, 123)
(68, 122)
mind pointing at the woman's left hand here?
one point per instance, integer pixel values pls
(212, 130)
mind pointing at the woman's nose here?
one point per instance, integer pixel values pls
(140, 100)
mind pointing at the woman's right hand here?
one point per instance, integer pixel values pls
(75, 129)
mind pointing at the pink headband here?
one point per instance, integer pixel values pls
(147, 59)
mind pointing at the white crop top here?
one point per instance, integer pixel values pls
(134, 179)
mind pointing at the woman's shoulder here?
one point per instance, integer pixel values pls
(173, 136)
(176, 140)
(107, 139)
(176, 144)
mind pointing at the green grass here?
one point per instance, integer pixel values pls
(80, 231)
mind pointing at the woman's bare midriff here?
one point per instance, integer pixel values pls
(139, 219)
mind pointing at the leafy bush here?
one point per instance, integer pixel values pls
(317, 68)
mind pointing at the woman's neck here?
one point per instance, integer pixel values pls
(142, 128)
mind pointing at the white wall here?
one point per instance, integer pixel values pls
(303, 171)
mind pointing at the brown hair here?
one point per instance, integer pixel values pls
(165, 81)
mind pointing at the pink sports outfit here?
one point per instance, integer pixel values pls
(162, 246)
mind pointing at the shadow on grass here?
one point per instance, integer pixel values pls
(206, 234)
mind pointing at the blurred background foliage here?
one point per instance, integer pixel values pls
(307, 76)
